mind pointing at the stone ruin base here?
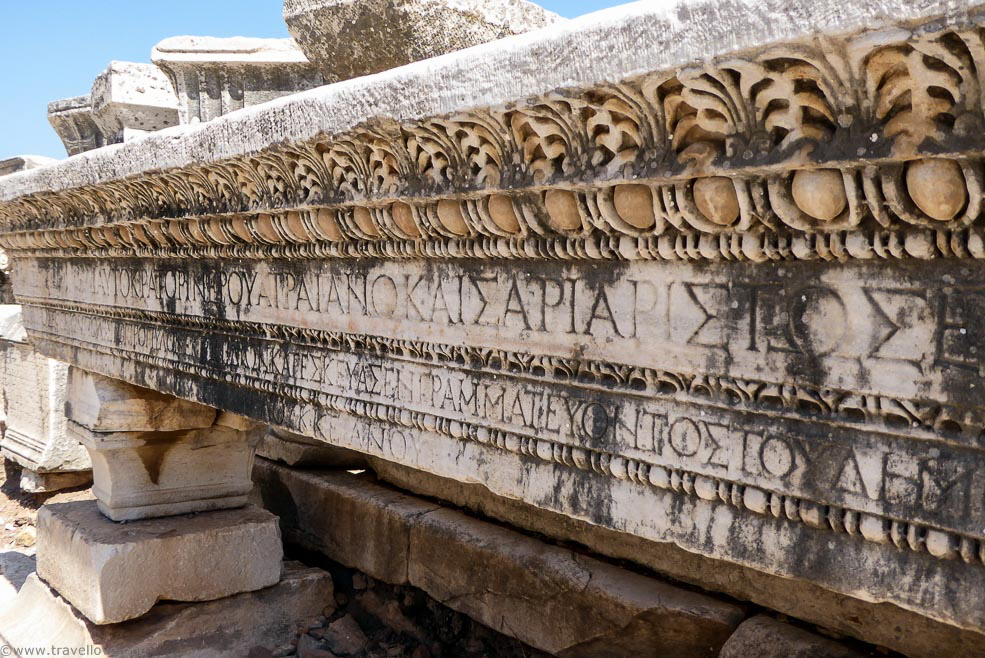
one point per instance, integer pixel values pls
(113, 572)
(552, 598)
(233, 626)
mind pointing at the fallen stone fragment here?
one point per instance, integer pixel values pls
(112, 572)
(72, 120)
(130, 98)
(764, 637)
(350, 38)
(247, 624)
(345, 637)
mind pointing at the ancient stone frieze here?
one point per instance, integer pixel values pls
(769, 422)
(394, 266)
(833, 148)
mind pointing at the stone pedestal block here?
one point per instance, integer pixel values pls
(214, 76)
(33, 389)
(298, 450)
(102, 404)
(112, 572)
(139, 475)
(231, 626)
(350, 38)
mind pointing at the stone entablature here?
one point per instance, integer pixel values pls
(485, 272)
(214, 76)
(623, 171)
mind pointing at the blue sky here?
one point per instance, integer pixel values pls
(53, 49)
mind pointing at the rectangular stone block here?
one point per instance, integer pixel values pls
(235, 625)
(22, 162)
(34, 482)
(140, 475)
(113, 572)
(548, 597)
(33, 389)
(130, 98)
(363, 526)
(557, 600)
(104, 404)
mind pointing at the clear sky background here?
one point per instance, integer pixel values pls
(52, 49)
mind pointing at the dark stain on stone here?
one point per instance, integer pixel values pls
(155, 450)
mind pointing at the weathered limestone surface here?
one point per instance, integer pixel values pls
(351, 38)
(214, 76)
(113, 572)
(701, 274)
(129, 99)
(103, 404)
(548, 597)
(72, 120)
(33, 390)
(230, 626)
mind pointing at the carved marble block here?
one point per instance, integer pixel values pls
(703, 274)
(350, 38)
(214, 76)
(72, 120)
(33, 388)
(129, 99)
(139, 475)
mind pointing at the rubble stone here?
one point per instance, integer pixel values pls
(235, 625)
(764, 637)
